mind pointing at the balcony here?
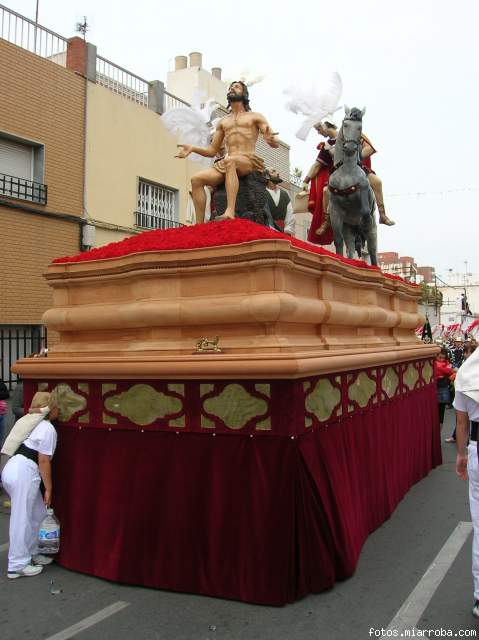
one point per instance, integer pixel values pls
(22, 189)
(31, 36)
(148, 221)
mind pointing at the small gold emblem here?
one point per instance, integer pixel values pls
(204, 345)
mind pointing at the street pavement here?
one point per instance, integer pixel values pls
(391, 567)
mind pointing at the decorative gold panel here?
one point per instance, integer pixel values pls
(206, 423)
(339, 410)
(206, 388)
(263, 388)
(42, 386)
(264, 425)
(177, 422)
(177, 388)
(142, 404)
(427, 372)
(109, 419)
(108, 386)
(235, 406)
(390, 382)
(362, 389)
(410, 376)
(85, 418)
(323, 399)
(84, 387)
(68, 401)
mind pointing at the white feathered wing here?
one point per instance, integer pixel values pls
(315, 106)
(192, 125)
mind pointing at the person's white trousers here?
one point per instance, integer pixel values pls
(21, 480)
(473, 473)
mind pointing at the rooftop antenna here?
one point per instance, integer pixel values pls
(82, 27)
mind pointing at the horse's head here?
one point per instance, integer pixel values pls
(352, 129)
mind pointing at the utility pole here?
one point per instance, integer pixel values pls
(36, 27)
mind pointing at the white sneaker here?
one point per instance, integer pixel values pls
(27, 572)
(41, 560)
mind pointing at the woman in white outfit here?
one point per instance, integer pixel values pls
(21, 478)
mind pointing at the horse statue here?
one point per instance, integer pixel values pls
(351, 199)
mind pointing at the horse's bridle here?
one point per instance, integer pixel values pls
(355, 187)
(344, 192)
(346, 140)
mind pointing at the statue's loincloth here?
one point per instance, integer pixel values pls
(256, 161)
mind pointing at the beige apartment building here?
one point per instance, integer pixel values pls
(41, 175)
(132, 180)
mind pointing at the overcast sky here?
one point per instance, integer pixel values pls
(412, 63)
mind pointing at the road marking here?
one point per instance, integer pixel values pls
(77, 628)
(3, 547)
(411, 611)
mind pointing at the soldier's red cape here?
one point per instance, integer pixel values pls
(315, 207)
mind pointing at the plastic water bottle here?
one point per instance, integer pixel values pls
(49, 534)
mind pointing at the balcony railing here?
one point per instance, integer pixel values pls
(173, 102)
(22, 189)
(29, 35)
(295, 179)
(148, 221)
(121, 81)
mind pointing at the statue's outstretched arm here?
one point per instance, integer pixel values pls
(311, 175)
(268, 134)
(313, 172)
(206, 152)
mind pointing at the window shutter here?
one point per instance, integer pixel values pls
(156, 206)
(16, 159)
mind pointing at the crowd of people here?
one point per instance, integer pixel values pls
(454, 352)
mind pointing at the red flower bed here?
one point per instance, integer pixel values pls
(215, 234)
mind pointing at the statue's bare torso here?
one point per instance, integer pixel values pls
(241, 132)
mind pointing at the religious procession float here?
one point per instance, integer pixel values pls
(239, 408)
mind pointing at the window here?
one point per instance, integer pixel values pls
(157, 206)
(16, 159)
(21, 170)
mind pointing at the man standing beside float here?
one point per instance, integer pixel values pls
(279, 203)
